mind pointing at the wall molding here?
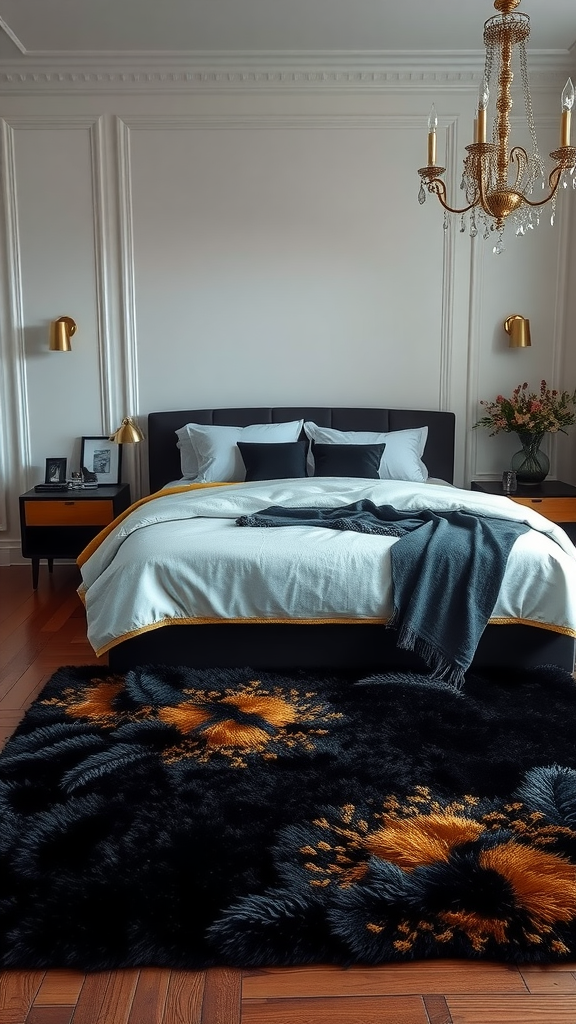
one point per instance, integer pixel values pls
(103, 217)
(128, 289)
(15, 456)
(289, 71)
(115, 284)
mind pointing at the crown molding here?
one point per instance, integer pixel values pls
(226, 72)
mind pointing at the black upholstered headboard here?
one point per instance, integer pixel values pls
(164, 456)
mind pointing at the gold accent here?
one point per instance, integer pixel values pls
(214, 621)
(518, 327)
(485, 178)
(565, 156)
(549, 626)
(61, 331)
(506, 6)
(430, 171)
(128, 432)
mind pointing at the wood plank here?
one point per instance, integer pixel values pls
(18, 617)
(222, 996)
(20, 649)
(149, 1000)
(117, 1003)
(403, 979)
(15, 587)
(92, 998)
(437, 1009)
(50, 1015)
(25, 687)
(17, 992)
(60, 986)
(540, 980)
(62, 615)
(564, 965)
(504, 1009)
(343, 1010)
(185, 997)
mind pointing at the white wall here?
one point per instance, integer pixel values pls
(255, 245)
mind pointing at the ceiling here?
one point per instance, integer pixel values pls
(110, 28)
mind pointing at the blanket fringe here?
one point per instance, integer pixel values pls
(439, 665)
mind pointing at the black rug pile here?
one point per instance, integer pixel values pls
(194, 818)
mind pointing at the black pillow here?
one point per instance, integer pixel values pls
(347, 459)
(266, 461)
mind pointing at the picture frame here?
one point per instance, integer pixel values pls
(100, 455)
(55, 471)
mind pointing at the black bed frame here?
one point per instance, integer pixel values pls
(346, 647)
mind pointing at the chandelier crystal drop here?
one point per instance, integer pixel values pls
(499, 182)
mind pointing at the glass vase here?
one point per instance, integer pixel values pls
(531, 465)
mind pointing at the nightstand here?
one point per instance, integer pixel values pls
(59, 525)
(553, 499)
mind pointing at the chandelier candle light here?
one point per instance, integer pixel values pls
(490, 197)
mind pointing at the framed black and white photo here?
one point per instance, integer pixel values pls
(55, 471)
(103, 457)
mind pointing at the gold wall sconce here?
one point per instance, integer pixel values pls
(128, 432)
(61, 331)
(518, 328)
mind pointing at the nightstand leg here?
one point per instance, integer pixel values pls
(50, 565)
(35, 569)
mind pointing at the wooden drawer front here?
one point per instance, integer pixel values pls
(68, 513)
(559, 510)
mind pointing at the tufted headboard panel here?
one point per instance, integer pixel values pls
(164, 456)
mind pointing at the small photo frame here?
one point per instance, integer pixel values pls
(103, 457)
(55, 471)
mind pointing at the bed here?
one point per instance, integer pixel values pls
(345, 644)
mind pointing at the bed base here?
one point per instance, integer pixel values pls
(349, 648)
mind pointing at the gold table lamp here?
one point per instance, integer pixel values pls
(128, 432)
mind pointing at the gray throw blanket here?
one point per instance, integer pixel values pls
(447, 568)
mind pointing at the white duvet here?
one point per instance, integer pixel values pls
(181, 558)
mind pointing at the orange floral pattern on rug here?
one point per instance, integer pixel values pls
(420, 832)
(233, 723)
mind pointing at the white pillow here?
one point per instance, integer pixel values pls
(209, 452)
(188, 460)
(402, 455)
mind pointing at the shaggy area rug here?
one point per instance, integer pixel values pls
(196, 818)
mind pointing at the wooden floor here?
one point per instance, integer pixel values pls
(43, 630)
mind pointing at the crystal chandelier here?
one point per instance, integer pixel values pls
(493, 193)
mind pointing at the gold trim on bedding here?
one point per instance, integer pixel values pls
(209, 621)
(96, 541)
(552, 628)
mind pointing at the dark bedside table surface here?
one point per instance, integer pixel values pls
(78, 493)
(547, 489)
